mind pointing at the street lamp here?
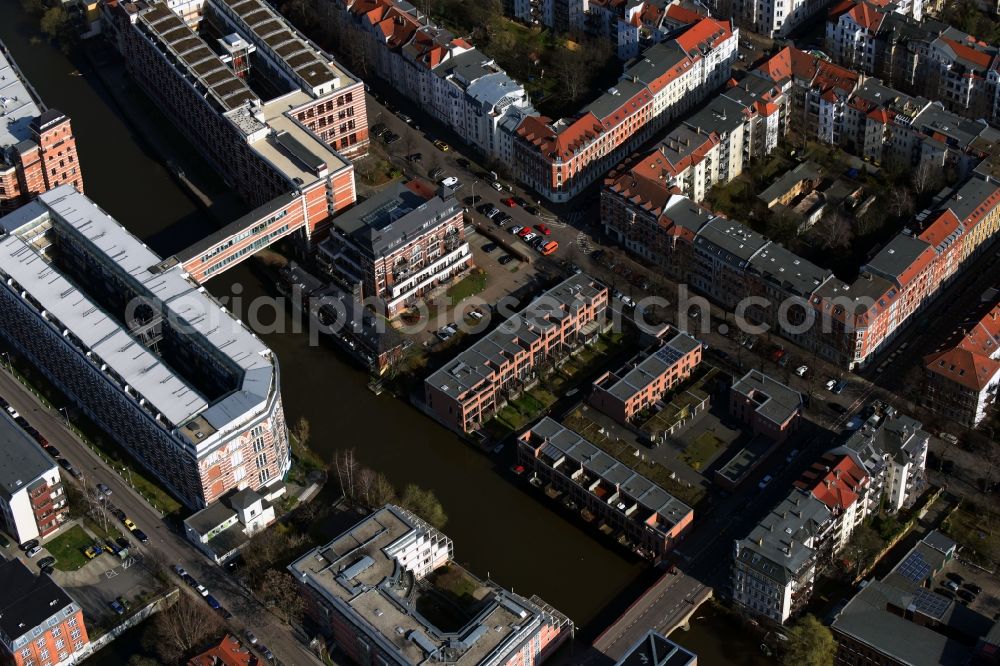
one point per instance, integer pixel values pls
(65, 414)
(7, 357)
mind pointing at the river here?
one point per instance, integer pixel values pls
(498, 529)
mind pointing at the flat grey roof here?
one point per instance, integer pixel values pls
(730, 241)
(392, 217)
(646, 371)
(898, 255)
(22, 460)
(559, 442)
(210, 517)
(17, 103)
(478, 363)
(783, 267)
(786, 181)
(722, 114)
(775, 401)
(205, 321)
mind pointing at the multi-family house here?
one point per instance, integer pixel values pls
(37, 147)
(892, 450)
(774, 567)
(634, 25)
(141, 349)
(470, 388)
(839, 482)
(853, 25)
(560, 158)
(963, 380)
(643, 381)
(620, 499)
(367, 591)
(32, 499)
(767, 406)
(39, 622)
(399, 244)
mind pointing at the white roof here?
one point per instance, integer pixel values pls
(17, 106)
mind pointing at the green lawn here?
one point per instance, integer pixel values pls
(470, 285)
(976, 529)
(68, 547)
(701, 450)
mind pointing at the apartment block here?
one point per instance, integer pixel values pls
(142, 350)
(444, 74)
(900, 621)
(560, 158)
(398, 245)
(892, 450)
(767, 406)
(634, 25)
(39, 623)
(839, 482)
(647, 378)
(654, 649)
(919, 57)
(963, 380)
(472, 387)
(37, 147)
(559, 15)
(609, 493)
(367, 588)
(774, 567)
(268, 110)
(32, 500)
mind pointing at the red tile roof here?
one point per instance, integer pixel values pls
(706, 31)
(969, 53)
(836, 485)
(229, 652)
(975, 359)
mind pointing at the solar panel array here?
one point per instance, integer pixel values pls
(931, 604)
(914, 568)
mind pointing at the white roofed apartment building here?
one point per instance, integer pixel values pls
(32, 499)
(142, 350)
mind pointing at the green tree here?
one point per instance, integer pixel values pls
(425, 504)
(809, 644)
(55, 23)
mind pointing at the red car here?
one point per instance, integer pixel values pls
(542, 229)
(524, 232)
(510, 202)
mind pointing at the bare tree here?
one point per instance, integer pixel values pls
(901, 201)
(302, 431)
(345, 466)
(834, 231)
(279, 591)
(177, 631)
(926, 177)
(374, 488)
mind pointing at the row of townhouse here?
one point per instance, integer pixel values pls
(921, 57)
(622, 502)
(558, 159)
(450, 79)
(469, 389)
(285, 153)
(879, 467)
(37, 147)
(963, 379)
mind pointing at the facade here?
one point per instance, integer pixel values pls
(839, 482)
(774, 567)
(37, 148)
(900, 621)
(892, 450)
(280, 153)
(398, 245)
(636, 510)
(769, 407)
(142, 350)
(560, 15)
(363, 590)
(32, 500)
(39, 622)
(559, 158)
(475, 385)
(963, 380)
(222, 528)
(654, 649)
(853, 25)
(644, 380)
(445, 75)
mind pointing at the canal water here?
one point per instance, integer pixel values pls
(498, 529)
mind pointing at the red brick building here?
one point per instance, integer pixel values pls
(39, 623)
(37, 148)
(766, 405)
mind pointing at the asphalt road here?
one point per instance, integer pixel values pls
(163, 543)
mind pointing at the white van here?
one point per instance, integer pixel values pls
(450, 181)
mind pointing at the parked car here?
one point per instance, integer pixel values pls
(490, 247)
(442, 146)
(530, 236)
(502, 218)
(966, 596)
(543, 229)
(972, 587)
(390, 138)
(492, 212)
(840, 387)
(405, 118)
(436, 173)
(181, 571)
(531, 210)
(792, 455)
(251, 637)
(764, 482)
(950, 585)
(123, 542)
(516, 229)
(52, 451)
(103, 490)
(28, 545)
(267, 653)
(201, 589)
(124, 603)
(213, 602)
(189, 579)
(830, 383)
(837, 407)
(140, 535)
(414, 158)
(3, 542)
(226, 615)
(505, 259)
(473, 200)
(116, 607)
(378, 129)
(497, 186)
(65, 464)
(524, 232)
(509, 201)
(33, 551)
(452, 182)
(521, 202)
(802, 370)
(46, 562)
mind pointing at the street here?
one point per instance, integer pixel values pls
(168, 546)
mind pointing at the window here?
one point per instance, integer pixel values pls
(258, 445)
(263, 475)
(236, 459)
